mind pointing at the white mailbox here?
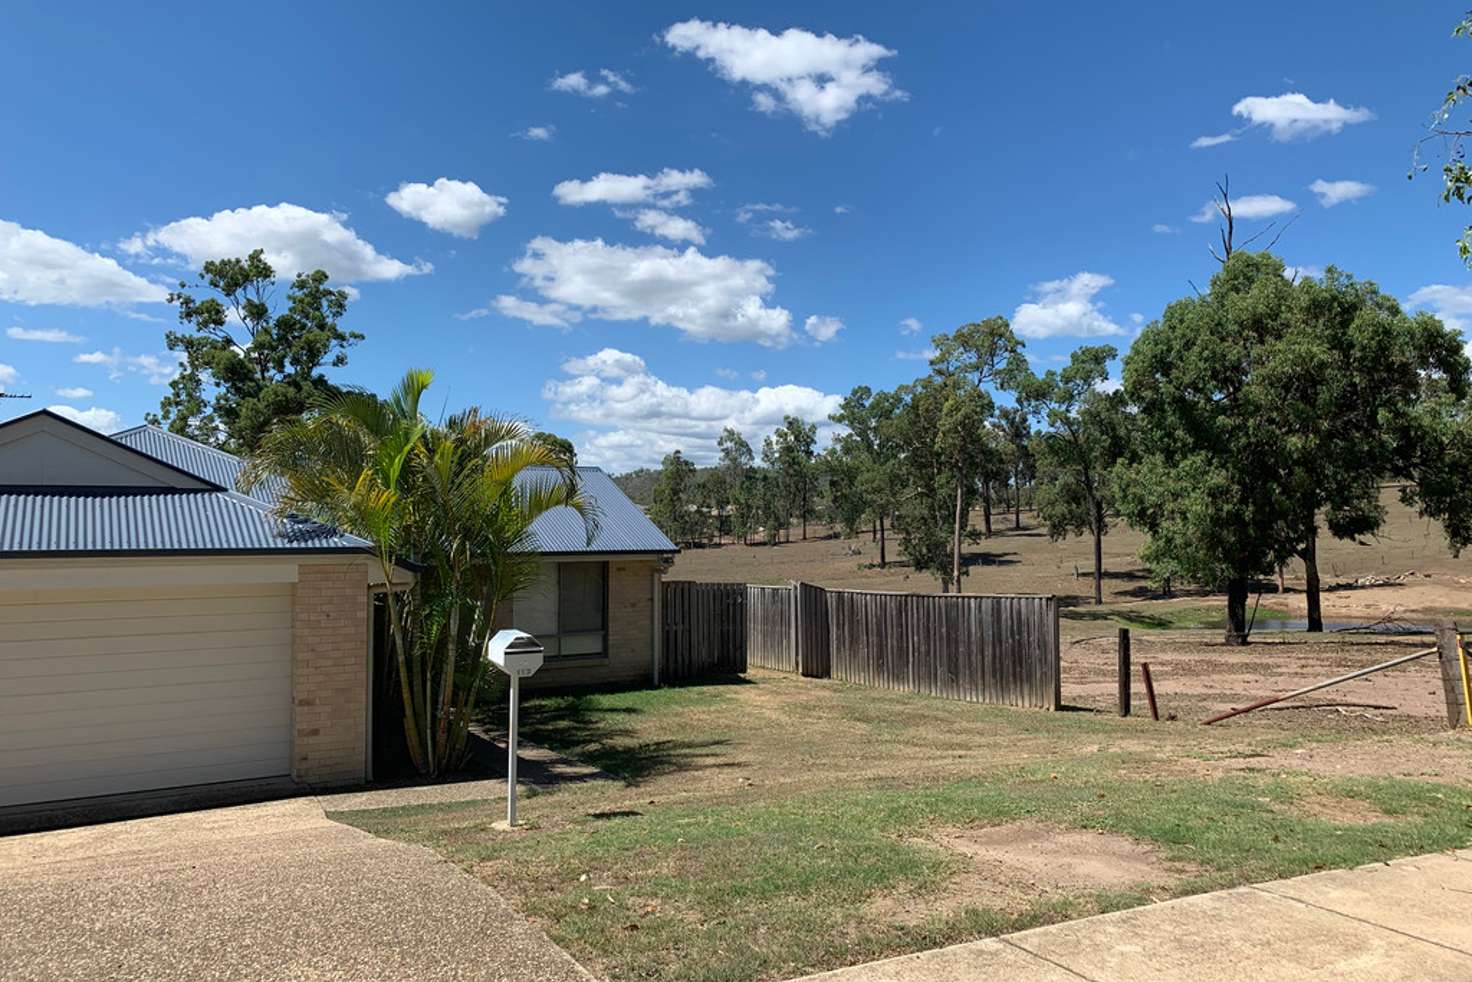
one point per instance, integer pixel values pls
(516, 653)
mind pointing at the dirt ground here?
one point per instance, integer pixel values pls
(1421, 576)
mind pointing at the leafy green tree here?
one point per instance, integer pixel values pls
(1087, 435)
(791, 458)
(1263, 405)
(924, 509)
(1445, 130)
(869, 444)
(676, 509)
(561, 446)
(1015, 423)
(454, 498)
(246, 365)
(842, 473)
(735, 467)
(963, 452)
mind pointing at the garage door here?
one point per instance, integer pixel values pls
(110, 690)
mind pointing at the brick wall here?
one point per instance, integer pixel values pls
(630, 657)
(329, 683)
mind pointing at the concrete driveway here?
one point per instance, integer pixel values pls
(269, 890)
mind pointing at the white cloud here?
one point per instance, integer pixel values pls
(911, 325)
(1293, 115)
(74, 392)
(8, 375)
(1453, 304)
(639, 417)
(1331, 193)
(677, 228)
(158, 369)
(539, 134)
(728, 373)
(760, 375)
(822, 79)
(1160, 228)
(295, 240)
(36, 268)
(668, 188)
(578, 83)
(821, 327)
(1248, 206)
(745, 213)
(541, 314)
(49, 335)
(709, 298)
(782, 230)
(460, 208)
(1066, 307)
(101, 420)
(842, 209)
(1202, 142)
(1109, 385)
(923, 354)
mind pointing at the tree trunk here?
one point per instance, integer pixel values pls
(1310, 556)
(1017, 499)
(956, 539)
(873, 530)
(881, 542)
(986, 507)
(1098, 555)
(1237, 611)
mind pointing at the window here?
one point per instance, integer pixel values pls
(567, 610)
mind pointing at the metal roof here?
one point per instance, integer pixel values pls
(622, 525)
(195, 458)
(93, 521)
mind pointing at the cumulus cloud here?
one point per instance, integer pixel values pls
(922, 354)
(295, 240)
(48, 335)
(1066, 308)
(745, 213)
(1294, 116)
(578, 83)
(637, 417)
(1453, 304)
(1160, 228)
(782, 230)
(540, 314)
(158, 369)
(668, 188)
(8, 375)
(74, 392)
(666, 225)
(1331, 193)
(842, 209)
(822, 79)
(460, 208)
(822, 328)
(36, 268)
(96, 418)
(1201, 142)
(709, 298)
(539, 134)
(911, 325)
(1246, 207)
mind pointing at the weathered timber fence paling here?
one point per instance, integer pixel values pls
(1001, 650)
(770, 637)
(704, 630)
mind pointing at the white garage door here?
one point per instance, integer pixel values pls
(106, 690)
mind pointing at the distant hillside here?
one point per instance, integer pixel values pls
(639, 484)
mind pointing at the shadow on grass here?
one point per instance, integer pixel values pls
(595, 729)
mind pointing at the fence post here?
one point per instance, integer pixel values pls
(1453, 684)
(1124, 671)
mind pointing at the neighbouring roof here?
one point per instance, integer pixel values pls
(621, 525)
(197, 458)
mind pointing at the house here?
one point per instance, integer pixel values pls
(159, 628)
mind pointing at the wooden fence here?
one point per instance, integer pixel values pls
(770, 613)
(1001, 650)
(704, 630)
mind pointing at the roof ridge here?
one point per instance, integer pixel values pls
(171, 435)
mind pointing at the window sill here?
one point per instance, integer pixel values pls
(574, 661)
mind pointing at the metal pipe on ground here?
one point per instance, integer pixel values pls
(1350, 677)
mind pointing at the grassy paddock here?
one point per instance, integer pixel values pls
(756, 830)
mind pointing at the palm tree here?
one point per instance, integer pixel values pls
(457, 500)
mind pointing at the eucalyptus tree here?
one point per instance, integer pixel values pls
(869, 442)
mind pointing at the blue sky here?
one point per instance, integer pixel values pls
(940, 162)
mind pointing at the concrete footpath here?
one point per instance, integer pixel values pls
(1410, 919)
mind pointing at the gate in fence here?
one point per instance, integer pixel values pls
(1001, 650)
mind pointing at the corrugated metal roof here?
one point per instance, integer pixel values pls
(196, 458)
(622, 525)
(93, 521)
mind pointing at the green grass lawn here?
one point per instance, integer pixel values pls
(753, 830)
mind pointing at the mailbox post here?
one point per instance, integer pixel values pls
(519, 655)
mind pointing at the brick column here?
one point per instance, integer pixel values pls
(329, 676)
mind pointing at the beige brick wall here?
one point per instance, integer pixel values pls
(329, 683)
(630, 658)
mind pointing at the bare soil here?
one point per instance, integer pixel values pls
(1011, 867)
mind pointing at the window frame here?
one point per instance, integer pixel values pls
(602, 655)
